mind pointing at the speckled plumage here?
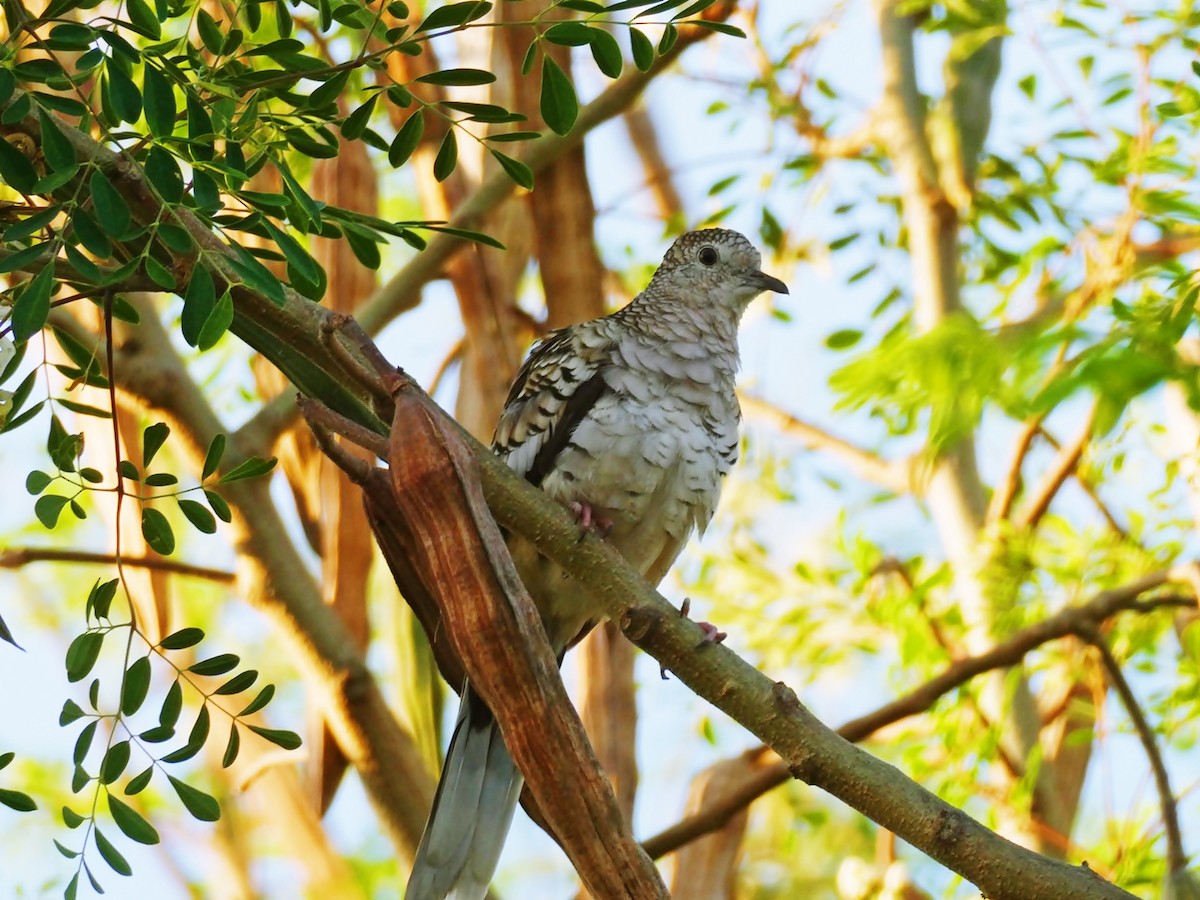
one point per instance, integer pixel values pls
(633, 415)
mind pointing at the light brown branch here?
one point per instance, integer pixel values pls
(1052, 480)
(1010, 483)
(897, 476)
(15, 557)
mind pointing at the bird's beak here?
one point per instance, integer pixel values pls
(765, 282)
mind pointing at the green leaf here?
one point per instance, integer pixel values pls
(152, 440)
(198, 304)
(515, 169)
(71, 818)
(669, 36)
(212, 458)
(559, 106)
(210, 32)
(157, 531)
(62, 447)
(231, 747)
(219, 506)
(288, 740)
(262, 699)
(215, 665)
(643, 50)
(64, 850)
(168, 716)
(407, 139)
(101, 597)
(161, 479)
(83, 743)
(160, 106)
(201, 805)
(16, 800)
(114, 859)
(71, 711)
(138, 782)
(606, 52)
(6, 758)
(48, 509)
(137, 684)
(131, 823)
(182, 639)
(453, 15)
(458, 77)
(32, 307)
(238, 683)
(143, 19)
(111, 209)
(7, 636)
(120, 97)
(198, 515)
(36, 482)
(115, 760)
(447, 156)
(58, 152)
(250, 468)
(719, 27)
(569, 34)
(82, 654)
(217, 323)
(15, 170)
(841, 340)
(356, 123)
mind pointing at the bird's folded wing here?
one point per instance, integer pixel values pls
(558, 385)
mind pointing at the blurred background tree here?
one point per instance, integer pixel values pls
(969, 480)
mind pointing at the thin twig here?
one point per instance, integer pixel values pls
(1176, 858)
(1066, 462)
(16, 557)
(896, 476)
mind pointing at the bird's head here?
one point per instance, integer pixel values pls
(714, 266)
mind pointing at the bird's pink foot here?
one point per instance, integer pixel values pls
(588, 520)
(712, 635)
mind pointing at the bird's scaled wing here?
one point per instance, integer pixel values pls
(558, 385)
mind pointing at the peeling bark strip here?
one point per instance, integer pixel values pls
(460, 558)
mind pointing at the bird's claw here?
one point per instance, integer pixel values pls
(712, 635)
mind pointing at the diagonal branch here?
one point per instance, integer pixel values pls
(1176, 858)
(898, 476)
(771, 710)
(1077, 621)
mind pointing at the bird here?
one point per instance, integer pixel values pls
(631, 420)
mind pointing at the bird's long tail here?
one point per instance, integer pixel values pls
(472, 810)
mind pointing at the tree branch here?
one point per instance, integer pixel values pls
(1077, 621)
(897, 476)
(1065, 462)
(15, 557)
(1176, 858)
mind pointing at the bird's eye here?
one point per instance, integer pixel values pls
(709, 256)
